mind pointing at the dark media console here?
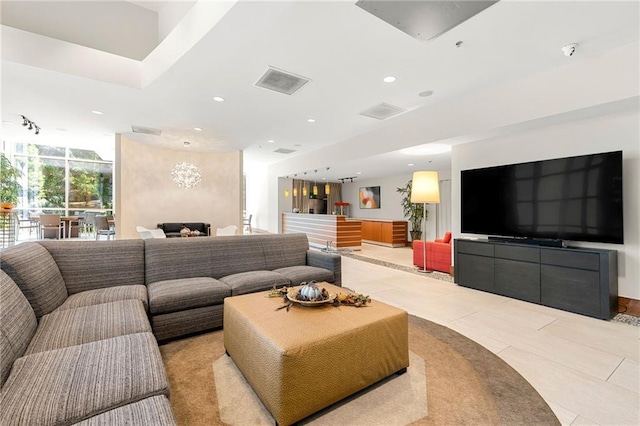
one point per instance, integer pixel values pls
(580, 280)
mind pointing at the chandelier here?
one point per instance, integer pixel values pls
(186, 175)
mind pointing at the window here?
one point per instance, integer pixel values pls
(63, 180)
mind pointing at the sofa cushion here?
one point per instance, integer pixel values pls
(17, 324)
(298, 274)
(178, 295)
(250, 282)
(68, 385)
(70, 327)
(43, 285)
(89, 265)
(154, 411)
(106, 295)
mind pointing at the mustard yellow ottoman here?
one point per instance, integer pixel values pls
(301, 361)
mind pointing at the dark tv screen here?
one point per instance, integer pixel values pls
(574, 198)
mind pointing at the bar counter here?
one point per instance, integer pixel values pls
(342, 231)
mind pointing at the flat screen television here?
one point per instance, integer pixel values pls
(574, 198)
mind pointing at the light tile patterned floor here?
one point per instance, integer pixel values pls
(586, 369)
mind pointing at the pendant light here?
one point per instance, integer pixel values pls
(327, 187)
(304, 189)
(315, 184)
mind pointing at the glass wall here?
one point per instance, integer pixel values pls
(63, 180)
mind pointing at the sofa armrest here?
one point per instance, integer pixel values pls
(330, 261)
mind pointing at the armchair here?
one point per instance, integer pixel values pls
(438, 254)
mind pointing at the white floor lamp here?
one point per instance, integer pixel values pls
(425, 189)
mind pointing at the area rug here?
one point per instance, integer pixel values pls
(451, 381)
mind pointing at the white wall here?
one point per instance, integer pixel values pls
(601, 134)
(257, 191)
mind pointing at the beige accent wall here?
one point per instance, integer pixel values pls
(145, 193)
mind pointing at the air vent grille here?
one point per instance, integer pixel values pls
(281, 81)
(284, 151)
(382, 111)
(145, 130)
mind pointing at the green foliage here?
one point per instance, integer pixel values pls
(9, 181)
(413, 211)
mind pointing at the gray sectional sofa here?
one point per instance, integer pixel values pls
(80, 320)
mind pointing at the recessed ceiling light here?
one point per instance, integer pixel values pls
(271, 141)
(359, 173)
(95, 111)
(324, 178)
(410, 164)
(427, 149)
(311, 120)
(389, 79)
(186, 144)
(425, 93)
(197, 129)
(218, 98)
(297, 145)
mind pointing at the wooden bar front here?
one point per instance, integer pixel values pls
(390, 233)
(320, 228)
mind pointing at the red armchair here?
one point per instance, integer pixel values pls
(438, 254)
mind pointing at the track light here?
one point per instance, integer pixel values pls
(31, 125)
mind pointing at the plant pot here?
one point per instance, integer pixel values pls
(6, 207)
(415, 235)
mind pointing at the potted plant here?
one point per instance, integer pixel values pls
(413, 211)
(9, 184)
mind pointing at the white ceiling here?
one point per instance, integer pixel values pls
(345, 51)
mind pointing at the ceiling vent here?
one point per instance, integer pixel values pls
(281, 81)
(145, 130)
(284, 151)
(424, 20)
(382, 111)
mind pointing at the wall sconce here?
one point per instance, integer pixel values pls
(286, 193)
(295, 192)
(327, 189)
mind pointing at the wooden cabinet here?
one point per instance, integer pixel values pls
(391, 233)
(580, 280)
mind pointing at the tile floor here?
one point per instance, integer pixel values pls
(588, 370)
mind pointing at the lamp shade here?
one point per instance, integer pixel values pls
(425, 188)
